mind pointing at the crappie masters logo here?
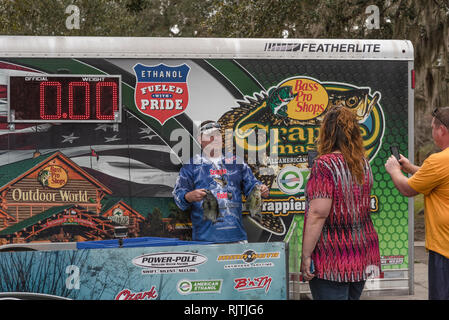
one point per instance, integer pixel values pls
(305, 101)
(280, 125)
(295, 108)
(161, 91)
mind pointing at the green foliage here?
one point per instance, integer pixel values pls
(214, 18)
(102, 17)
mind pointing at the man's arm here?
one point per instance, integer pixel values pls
(183, 186)
(407, 166)
(400, 181)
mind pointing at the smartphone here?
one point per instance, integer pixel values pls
(311, 155)
(395, 151)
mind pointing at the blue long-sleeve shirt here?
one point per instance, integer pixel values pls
(227, 180)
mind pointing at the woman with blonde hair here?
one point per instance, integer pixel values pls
(339, 239)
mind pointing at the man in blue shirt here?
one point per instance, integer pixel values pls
(227, 177)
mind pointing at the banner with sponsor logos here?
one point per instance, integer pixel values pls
(256, 271)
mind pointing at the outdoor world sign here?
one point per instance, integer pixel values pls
(38, 195)
(52, 180)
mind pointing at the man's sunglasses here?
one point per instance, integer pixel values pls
(436, 114)
(208, 126)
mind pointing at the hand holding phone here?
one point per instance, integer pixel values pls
(395, 151)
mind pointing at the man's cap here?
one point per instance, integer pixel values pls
(209, 126)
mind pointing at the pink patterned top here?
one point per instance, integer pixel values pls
(348, 248)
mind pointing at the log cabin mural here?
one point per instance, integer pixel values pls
(50, 198)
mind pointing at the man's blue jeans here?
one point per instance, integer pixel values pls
(332, 290)
(438, 270)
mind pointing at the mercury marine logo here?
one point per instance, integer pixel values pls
(169, 260)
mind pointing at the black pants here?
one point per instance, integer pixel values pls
(438, 276)
(332, 290)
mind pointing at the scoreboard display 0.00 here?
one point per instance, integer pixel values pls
(64, 98)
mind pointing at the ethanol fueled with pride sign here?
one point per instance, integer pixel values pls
(161, 91)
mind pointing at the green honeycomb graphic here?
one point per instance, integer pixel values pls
(391, 219)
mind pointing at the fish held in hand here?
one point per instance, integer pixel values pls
(255, 202)
(210, 207)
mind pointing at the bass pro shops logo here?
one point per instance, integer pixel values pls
(281, 125)
(161, 91)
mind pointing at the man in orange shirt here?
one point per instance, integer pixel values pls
(432, 180)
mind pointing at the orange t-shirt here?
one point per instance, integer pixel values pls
(432, 180)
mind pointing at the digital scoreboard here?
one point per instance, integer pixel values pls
(64, 98)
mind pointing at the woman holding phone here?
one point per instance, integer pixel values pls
(339, 238)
